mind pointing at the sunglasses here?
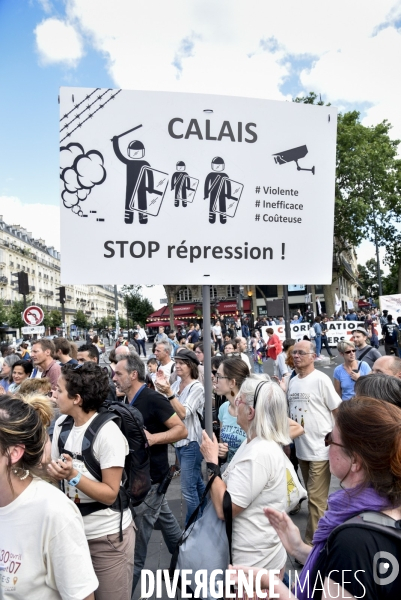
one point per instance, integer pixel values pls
(350, 352)
(328, 441)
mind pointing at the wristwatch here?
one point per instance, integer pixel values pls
(171, 397)
(213, 469)
(75, 480)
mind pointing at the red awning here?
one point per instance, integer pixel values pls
(164, 323)
(230, 307)
(180, 310)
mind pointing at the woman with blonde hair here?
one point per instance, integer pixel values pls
(256, 476)
(42, 534)
(345, 375)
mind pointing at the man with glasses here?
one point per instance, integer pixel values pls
(312, 402)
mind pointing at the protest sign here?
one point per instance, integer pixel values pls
(337, 331)
(392, 304)
(194, 188)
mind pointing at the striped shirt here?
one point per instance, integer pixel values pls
(192, 398)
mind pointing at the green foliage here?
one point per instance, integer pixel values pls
(14, 318)
(368, 181)
(368, 278)
(139, 308)
(390, 281)
(3, 313)
(81, 320)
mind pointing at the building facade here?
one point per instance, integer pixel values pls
(20, 251)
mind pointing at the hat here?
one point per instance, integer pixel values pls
(186, 354)
(361, 330)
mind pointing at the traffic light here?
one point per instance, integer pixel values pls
(21, 282)
(61, 295)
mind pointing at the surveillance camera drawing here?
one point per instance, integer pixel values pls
(293, 155)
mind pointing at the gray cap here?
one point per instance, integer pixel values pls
(361, 330)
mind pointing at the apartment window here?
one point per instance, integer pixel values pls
(213, 291)
(185, 294)
(230, 291)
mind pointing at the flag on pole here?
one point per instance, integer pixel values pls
(319, 306)
(337, 304)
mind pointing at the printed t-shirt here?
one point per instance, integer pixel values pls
(156, 410)
(346, 382)
(110, 449)
(230, 433)
(43, 547)
(167, 369)
(311, 400)
(255, 478)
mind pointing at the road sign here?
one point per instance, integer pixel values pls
(33, 315)
(239, 180)
(32, 330)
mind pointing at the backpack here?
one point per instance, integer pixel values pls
(136, 481)
(375, 521)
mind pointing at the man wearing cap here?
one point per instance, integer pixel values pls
(212, 187)
(363, 350)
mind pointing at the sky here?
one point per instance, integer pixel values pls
(349, 52)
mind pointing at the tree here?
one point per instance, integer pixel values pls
(81, 320)
(138, 308)
(14, 314)
(367, 275)
(3, 313)
(52, 319)
(368, 182)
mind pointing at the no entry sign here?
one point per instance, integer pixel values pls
(33, 315)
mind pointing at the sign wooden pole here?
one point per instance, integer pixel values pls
(207, 360)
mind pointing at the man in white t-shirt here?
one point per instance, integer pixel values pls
(163, 356)
(312, 402)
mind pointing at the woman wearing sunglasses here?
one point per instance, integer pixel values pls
(353, 561)
(345, 375)
(256, 476)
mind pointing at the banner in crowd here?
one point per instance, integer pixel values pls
(337, 331)
(193, 188)
(392, 304)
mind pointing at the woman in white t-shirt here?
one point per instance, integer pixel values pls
(256, 476)
(81, 391)
(43, 551)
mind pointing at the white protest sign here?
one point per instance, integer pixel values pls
(392, 304)
(194, 188)
(337, 331)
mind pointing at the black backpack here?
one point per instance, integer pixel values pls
(372, 520)
(136, 481)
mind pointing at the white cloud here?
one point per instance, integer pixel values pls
(58, 42)
(43, 220)
(46, 6)
(215, 47)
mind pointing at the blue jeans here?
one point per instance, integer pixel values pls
(257, 368)
(192, 486)
(141, 344)
(318, 342)
(153, 509)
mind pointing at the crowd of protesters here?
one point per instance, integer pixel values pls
(68, 531)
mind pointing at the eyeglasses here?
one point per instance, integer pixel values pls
(329, 442)
(218, 376)
(349, 352)
(301, 352)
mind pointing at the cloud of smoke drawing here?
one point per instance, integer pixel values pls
(80, 172)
